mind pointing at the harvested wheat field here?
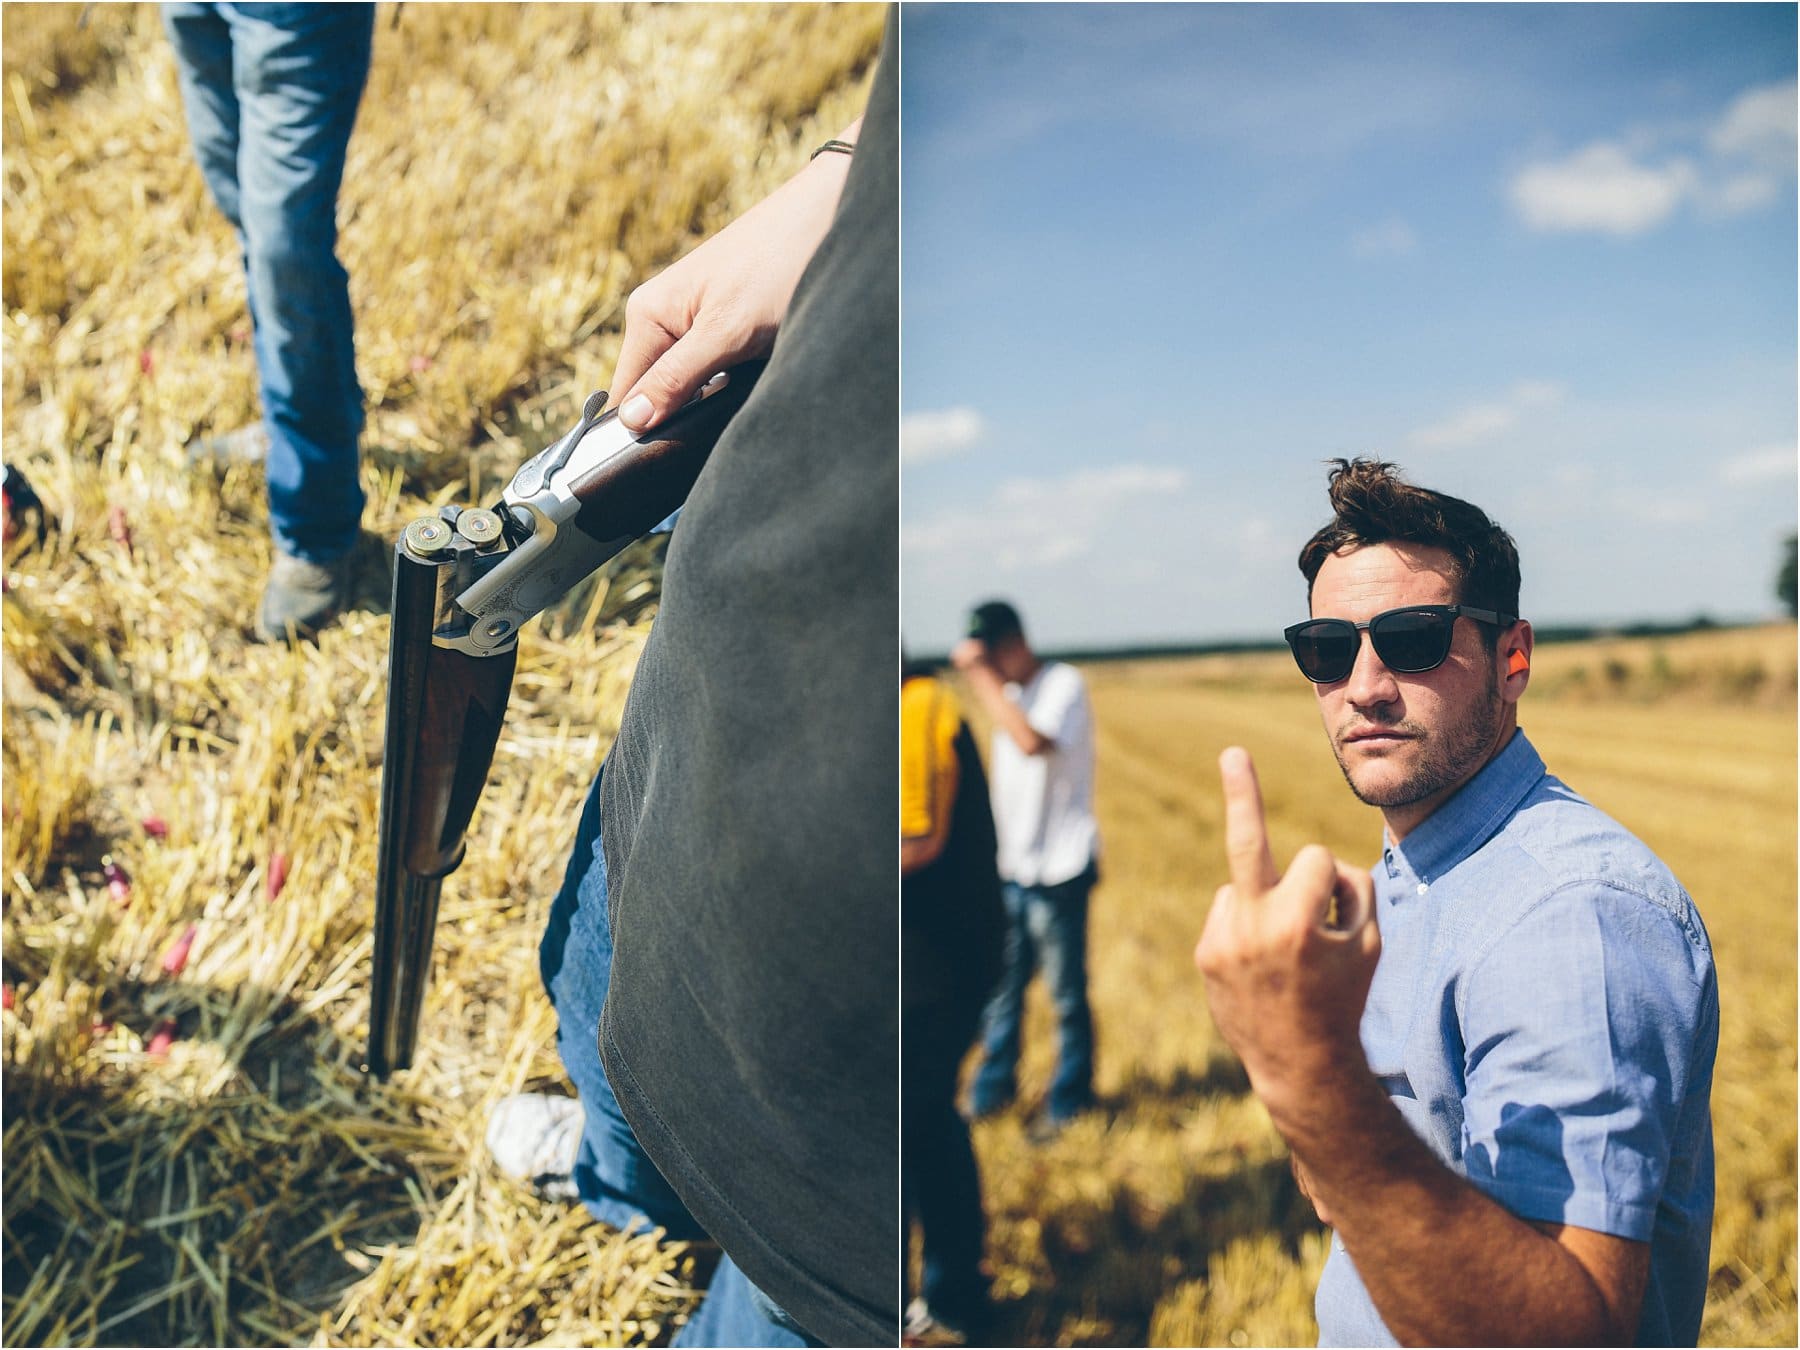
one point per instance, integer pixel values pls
(193, 1155)
(1169, 1217)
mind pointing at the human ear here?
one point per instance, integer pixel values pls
(1515, 650)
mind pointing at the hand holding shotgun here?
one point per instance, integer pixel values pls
(466, 580)
(723, 302)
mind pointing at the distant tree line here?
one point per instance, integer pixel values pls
(1787, 580)
(1787, 590)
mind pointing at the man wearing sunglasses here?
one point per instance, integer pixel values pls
(1491, 1058)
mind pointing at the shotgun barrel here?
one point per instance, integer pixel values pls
(465, 581)
(443, 723)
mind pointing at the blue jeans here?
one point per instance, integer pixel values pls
(271, 94)
(615, 1178)
(1047, 924)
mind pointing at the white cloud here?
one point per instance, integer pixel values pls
(1652, 508)
(1764, 464)
(1090, 487)
(1483, 421)
(1035, 522)
(1538, 393)
(1745, 192)
(1601, 188)
(1636, 182)
(925, 436)
(1759, 125)
(1392, 238)
(1477, 422)
(1754, 143)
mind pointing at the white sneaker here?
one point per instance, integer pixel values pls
(922, 1327)
(246, 445)
(533, 1137)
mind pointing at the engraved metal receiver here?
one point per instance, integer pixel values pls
(465, 581)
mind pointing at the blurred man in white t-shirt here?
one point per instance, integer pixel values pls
(1041, 772)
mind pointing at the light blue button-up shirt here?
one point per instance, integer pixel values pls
(1545, 1017)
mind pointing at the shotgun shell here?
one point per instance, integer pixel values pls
(118, 880)
(156, 827)
(120, 529)
(162, 1038)
(278, 874)
(177, 956)
(427, 537)
(6, 997)
(480, 526)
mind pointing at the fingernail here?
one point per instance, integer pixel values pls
(636, 411)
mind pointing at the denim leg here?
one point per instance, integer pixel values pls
(202, 42)
(1057, 918)
(996, 1079)
(297, 75)
(613, 1175)
(736, 1312)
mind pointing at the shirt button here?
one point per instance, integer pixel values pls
(1423, 888)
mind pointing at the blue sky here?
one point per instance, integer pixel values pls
(1161, 261)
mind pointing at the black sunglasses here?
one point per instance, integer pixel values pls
(1410, 640)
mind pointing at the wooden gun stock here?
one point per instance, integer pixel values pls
(450, 668)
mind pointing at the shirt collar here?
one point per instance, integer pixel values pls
(1472, 816)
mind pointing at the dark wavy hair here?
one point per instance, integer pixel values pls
(1372, 504)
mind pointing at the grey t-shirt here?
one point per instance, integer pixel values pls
(748, 804)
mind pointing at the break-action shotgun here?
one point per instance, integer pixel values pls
(465, 581)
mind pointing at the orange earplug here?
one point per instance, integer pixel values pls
(1518, 664)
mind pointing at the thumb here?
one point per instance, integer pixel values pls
(1308, 886)
(1356, 900)
(673, 378)
(1213, 929)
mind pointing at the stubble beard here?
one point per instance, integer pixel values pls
(1447, 758)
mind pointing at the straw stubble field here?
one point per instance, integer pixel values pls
(1169, 1217)
(192, 1154)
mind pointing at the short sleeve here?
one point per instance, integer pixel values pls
(1582, 1025)
(928, 722)
(1060, 706)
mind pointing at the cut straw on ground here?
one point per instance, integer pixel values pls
(515, 171)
